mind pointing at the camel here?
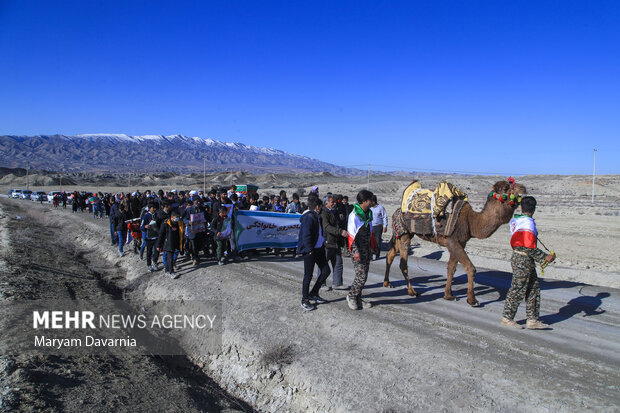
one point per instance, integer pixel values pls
(497, 211)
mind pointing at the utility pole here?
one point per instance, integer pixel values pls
(28, 178)
(204, 175)
(368, 183)
(593, 174)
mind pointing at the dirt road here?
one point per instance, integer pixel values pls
(404, 354)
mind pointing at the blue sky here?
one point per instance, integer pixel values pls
(511, 87)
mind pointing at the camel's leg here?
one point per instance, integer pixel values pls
(471, 273)
(451, 270)
(404, 255)
(458, 254)
(389, 259)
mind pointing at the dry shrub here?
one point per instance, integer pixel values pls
(282, 355)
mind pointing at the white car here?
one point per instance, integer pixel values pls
(38, 196)
(50, 196)
(26, 194)
(16, 193)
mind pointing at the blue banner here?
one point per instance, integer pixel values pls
(258, 229)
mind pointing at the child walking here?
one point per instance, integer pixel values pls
(170, 241)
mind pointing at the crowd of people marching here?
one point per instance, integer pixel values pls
(194, 224)
(171, 223)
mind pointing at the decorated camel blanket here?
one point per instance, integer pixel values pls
(423, 225)
(417, 200)
(423, 211)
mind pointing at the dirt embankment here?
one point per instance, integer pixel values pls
(41, 262)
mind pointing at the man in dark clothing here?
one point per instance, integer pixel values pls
(348, 207)
(276, 206)
(334, 240)
(310, 245)
(214, 202)
(195, 220)
(149, 226)
(170, 241)
(266, 205)
(135, 205)
(112, 211)
(162, 215)
(217, 227)
(120, 227)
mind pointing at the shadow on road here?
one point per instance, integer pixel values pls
(586, 304)
(491, 284)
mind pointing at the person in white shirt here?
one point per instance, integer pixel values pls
(379, 223)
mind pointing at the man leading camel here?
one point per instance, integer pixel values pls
(523, 235)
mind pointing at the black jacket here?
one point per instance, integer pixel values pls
(119, 219)
(161, 216)
(331, 229)
(308, 232)
(217, 224)
(170, 236)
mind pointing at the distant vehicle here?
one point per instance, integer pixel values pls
(50, 195)
(26, 194)
(15, 193)
(38, 196)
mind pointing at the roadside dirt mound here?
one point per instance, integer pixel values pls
(96, 383)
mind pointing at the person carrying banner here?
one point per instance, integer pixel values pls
(361, 243)
(310, 245)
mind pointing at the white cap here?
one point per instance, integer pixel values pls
(174, 191)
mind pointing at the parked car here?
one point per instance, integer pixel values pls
(26, 194)
(39, 196)
(50, 196)
(15, 193)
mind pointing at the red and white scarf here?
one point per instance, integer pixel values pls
(353, 226)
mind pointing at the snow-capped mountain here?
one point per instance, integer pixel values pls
(124, 153)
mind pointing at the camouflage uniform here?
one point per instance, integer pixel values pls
(361, 245)
(524, 283)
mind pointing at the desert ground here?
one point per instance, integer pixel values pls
(404, 354)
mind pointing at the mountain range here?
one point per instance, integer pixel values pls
(150, 153)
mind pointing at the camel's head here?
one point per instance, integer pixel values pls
(507, 193)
